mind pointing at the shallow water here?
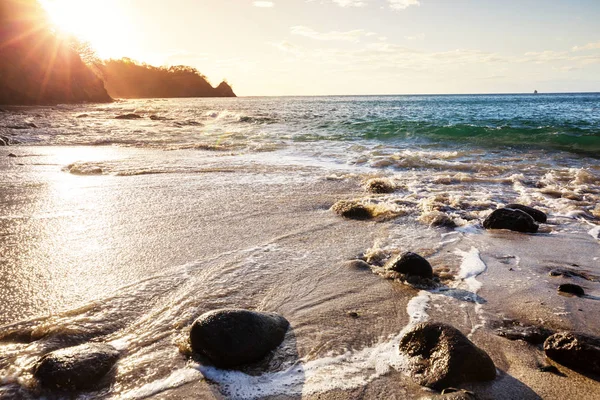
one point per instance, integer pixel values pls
(125, 231)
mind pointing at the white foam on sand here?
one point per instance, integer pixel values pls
(346, 371)
(472, 266)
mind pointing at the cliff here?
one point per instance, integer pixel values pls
(125, 78)
(37, 66)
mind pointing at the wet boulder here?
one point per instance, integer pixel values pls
(76, 368)
(574, 350)
(537, 215)
(128, 116)
(513, 330)
(411, 264)
(571, 289)
(440, 356)
(514, 220)
(230, 338)
(358, 265)
(380, 186)
(352, 210)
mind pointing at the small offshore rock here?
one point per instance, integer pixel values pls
(128, 116)
(572, 289)
(440, 356)
(514, 220)
(537, 215)
(411, 264)
(230, 337)
(352, 210)
(12, 155)
(574, 350)
(76, 368)
(380, 186)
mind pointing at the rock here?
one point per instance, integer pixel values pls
(379, 186)
(12, 155)
(572, 289)
(352, 210)
(537, 215)
(358, 265)
(128, 116)
(157, 118)
(411, 264)
(231, 338)
(549, 368)
(4, 141)
(515, 220)
(567, 273)
(79, 367)
(574, 350)
(512, 330)
(353, 314)
(440, 356)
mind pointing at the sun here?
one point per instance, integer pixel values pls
(102, 23)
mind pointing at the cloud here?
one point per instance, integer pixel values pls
(288, 47)
(420, 36)
(348, 36)
(350, 3)
(589, 46)
(403, 4)
(263, 4)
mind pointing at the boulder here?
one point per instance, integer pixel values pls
(572, 289)
(574, 350)
(411, 264)
(128, 116)
(352, 210)
(537, 215)
(231, 338)
(76, 368)
(514, 220)
(440, 356)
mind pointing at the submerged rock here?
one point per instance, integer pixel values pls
(380, 186)
(514, 220)
(352, 210)
(537, 215)
(440, 356)
(12, 155)
(79, 367)
(574, 350)
(411, 264)
(572, 289)
(128, 116)
(231, 338)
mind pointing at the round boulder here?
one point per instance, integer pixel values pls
(231, 338)
(411, 264)
(571, 289)
(380, 186)
(537, 215)
(352, 210)
(574, 350)
(514, 220)
(440, 356)
(76, 368)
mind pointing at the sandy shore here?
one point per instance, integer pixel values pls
(133, 260)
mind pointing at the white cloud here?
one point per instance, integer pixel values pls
(263, 4)
(350, 3)
(403, 4)
(348, 36)
(589, 46)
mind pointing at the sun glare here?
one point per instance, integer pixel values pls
(101, 23)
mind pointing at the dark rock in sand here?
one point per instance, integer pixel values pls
(12, 155)
(537, 215)
(566, 273)
(358, 265)
(572, 289)
(513, 330)
(231, 338)
(440, 356)
(550, 369)
(128, 116)
(380, 186)
(352, 210)
(514, 220)
(574, 350)
(411, 264)
(76, 368)
(157, 118)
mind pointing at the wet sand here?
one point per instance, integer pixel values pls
(133, 260)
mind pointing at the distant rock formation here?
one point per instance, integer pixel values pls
(126, 78)
(36, 65)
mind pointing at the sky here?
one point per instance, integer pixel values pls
(344, 47)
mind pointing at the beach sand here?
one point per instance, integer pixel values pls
(132, 257)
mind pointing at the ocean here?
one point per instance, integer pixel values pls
(124, 230)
